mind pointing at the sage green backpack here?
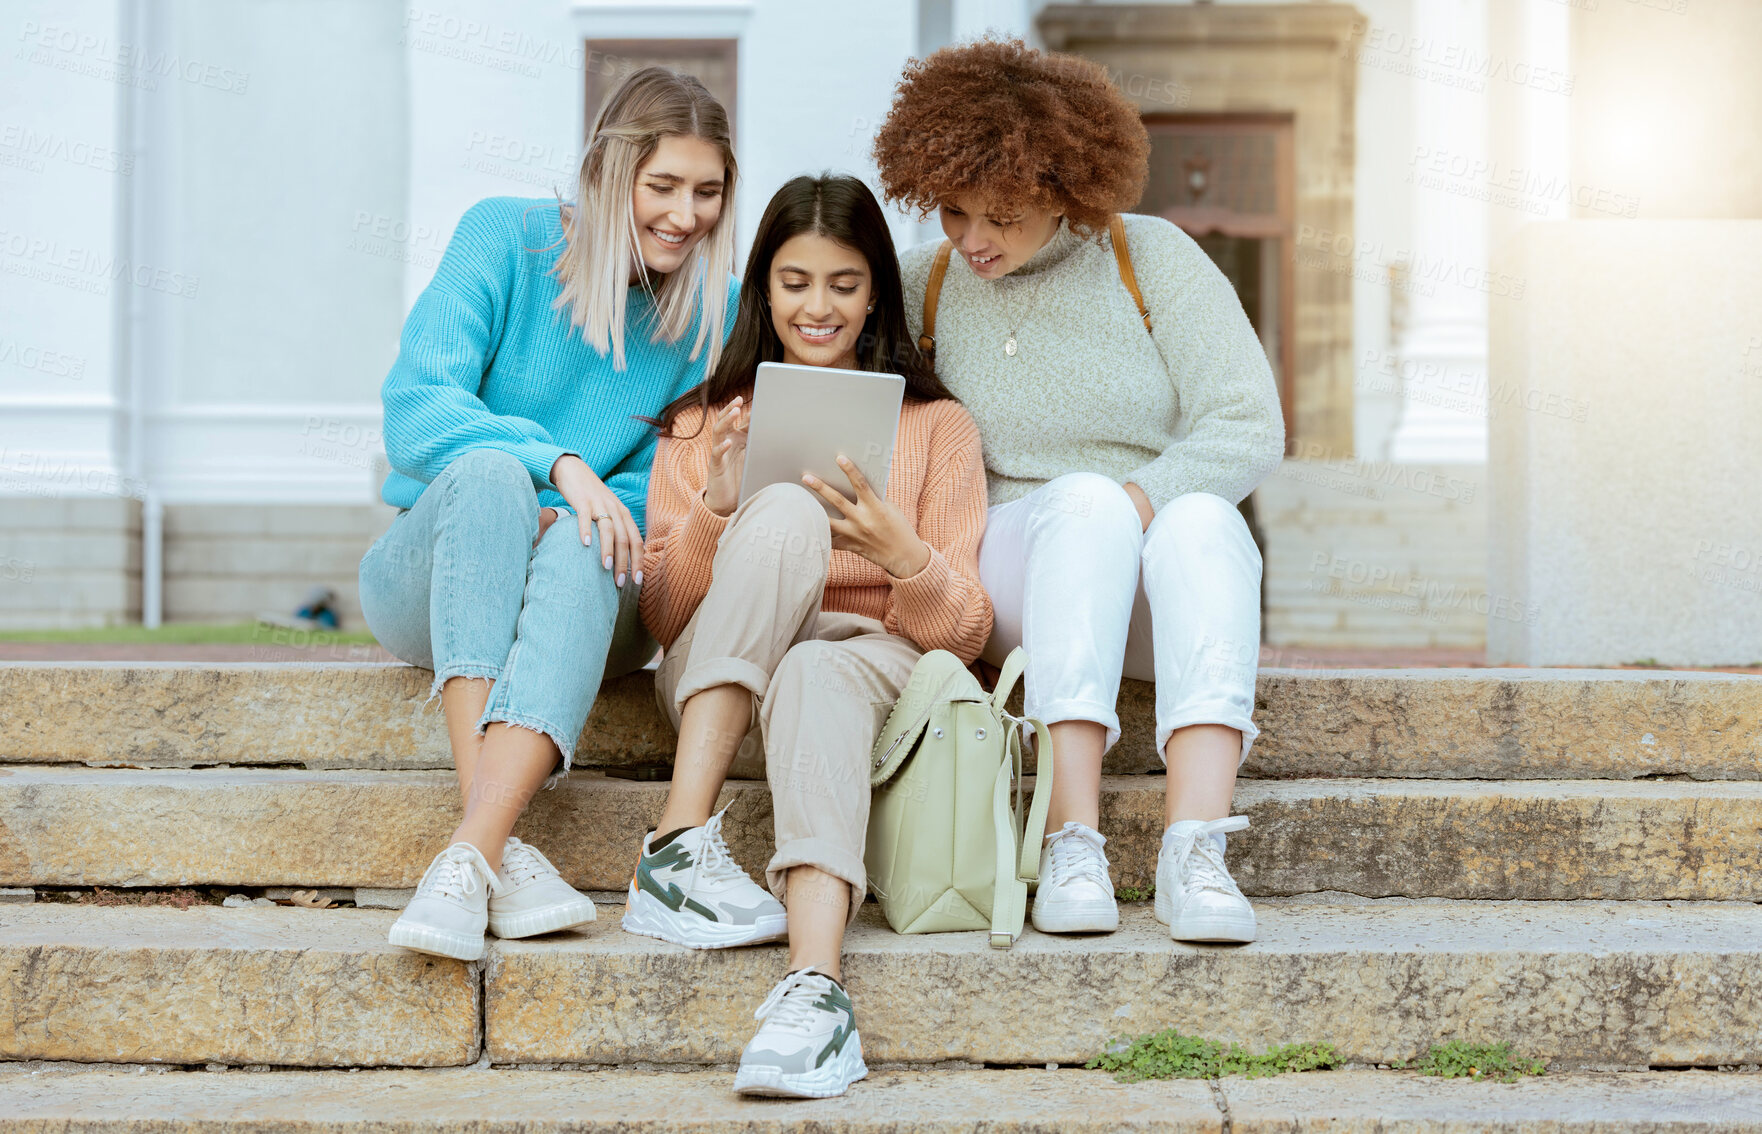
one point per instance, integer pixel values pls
(946, 850)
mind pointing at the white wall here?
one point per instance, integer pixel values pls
(805, 108)
(303, 163)
(183, 183)
(495, 92)
(62, 170)
(497, 96)
(266, 190)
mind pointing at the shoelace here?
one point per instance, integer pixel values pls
(1077, 854)
(454, 874)
(522, 863)
(716, 863)
(784, 1009)
(1200, 863)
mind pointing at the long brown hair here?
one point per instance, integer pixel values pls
(842, 209)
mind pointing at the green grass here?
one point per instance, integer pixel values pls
(1170, 1055)
(195, 633)
(1459, 1060)
(1135, 893)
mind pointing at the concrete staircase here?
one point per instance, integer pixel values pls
(1567, 860)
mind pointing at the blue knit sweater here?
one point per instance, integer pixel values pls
(486, 362)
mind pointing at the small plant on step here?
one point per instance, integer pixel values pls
(1459, 1060)
(1168, 1054)
(1135, 893)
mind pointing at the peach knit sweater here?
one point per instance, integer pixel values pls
(937, 481)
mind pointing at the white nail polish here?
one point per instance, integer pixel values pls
(608, 562)
(620, 580)
(639, 578)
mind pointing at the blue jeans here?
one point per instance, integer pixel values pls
(456, 586)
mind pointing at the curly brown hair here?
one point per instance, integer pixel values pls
(1025, 129)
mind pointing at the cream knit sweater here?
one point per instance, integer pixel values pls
(1189, 408)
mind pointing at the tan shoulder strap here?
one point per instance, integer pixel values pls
(933, 292)
(933, 289)
(1116, 228)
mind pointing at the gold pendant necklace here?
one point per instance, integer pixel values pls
(1009, 342)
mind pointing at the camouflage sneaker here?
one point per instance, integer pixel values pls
(807, 1047)
(689, 890)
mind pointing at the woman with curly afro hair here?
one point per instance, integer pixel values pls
(1118, 440)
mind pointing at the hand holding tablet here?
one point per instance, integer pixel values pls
(871, 525)
(805, 417)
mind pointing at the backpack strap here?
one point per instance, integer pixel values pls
(1006, 680)
(932, 293)
(1018, 833)
(1009, 894)
(1116, 229)
(1034, 822)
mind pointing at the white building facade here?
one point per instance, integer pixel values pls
(216, 216)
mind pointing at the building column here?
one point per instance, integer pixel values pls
(1443, 353)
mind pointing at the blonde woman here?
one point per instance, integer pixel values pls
(550, 331)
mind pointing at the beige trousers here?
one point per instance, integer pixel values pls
(822, 684)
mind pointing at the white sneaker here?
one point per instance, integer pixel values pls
(451, 907)
(1195, 895)
(690, 891)
(1075, 894)
(531, 897)
(807, 1047)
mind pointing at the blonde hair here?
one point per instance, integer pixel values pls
(601, 247)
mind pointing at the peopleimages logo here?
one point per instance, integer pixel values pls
(84, 269)
(499, 47)
(35, 146)
(85, 53)
(1413, 478)
(54, 363)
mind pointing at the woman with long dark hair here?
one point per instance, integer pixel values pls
(806, 628)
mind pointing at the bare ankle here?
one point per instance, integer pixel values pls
(671, 821)
(829, 968)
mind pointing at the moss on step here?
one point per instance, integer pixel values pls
(1459, 1060)
(1169, 1054)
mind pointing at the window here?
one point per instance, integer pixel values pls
(713, 61)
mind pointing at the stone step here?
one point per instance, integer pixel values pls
(270, 985)
(887, 1102)
(1579, 985)
(1531, 839)
(1427, 723)
(1604, 985)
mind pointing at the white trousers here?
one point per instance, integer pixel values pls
(1091, 595)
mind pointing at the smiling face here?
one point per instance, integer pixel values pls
(819, 297)
(677, 200)
(994, 245)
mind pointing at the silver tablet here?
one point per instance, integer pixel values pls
(803, 417)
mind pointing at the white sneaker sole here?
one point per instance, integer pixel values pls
(547, 919)
(436, 942)
(1077, 917)
(1236, 929)
(647, 917)
(832, 1078)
